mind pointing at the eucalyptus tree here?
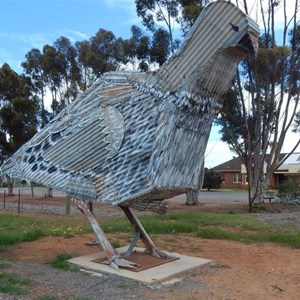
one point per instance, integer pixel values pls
(18, 109)
(154, 11)
(137, 47)
(87, 75)
(53, 70)
(70, 72)
(263, 104)
(33, 67)
(104, 53)
(190, 10)
(160, 50)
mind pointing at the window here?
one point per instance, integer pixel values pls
(237, 178)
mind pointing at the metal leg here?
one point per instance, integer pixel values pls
(112, 255)
(133, 243)
(150, 247)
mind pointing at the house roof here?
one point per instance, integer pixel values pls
(291, 164)
(234, 165)
(294, 158)
(229, 166)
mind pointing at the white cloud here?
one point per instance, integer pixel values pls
(73, 35)
(36, 40)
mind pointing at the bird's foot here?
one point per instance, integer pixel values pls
(158, 253)
(117, 262)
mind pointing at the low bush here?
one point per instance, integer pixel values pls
(289, 192)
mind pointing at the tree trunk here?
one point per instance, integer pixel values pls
(192, 198)
(49, 192)
(68, 206)
(10, 183)
(255, 196)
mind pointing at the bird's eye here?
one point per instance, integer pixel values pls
(235, 27)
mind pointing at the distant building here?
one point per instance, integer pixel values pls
(234, 172)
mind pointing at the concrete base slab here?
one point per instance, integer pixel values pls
(155, 274)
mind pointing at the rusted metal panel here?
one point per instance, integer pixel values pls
(134, 137)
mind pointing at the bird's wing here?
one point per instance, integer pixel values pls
(86, 133)
(83, 142)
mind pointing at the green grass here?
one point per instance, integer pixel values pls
(237, 227)
(15, 228)
(61, 262)
(185, 222)
(13, 285)
(282, 238)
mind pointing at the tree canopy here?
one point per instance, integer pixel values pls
(18, 110)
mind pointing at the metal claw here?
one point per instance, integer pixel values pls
(159, 254)
(116, 261)
(121, 262)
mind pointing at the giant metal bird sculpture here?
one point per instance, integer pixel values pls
(134, 139)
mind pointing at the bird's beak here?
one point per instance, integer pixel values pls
(249, 42)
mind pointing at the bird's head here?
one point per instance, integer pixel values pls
(207, 60)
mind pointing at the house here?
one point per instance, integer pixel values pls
(234, 171)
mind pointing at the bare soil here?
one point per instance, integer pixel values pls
(238, 271)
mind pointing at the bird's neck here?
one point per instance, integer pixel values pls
(212, 78)
(215, 76)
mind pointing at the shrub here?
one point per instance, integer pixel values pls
(212, 179)
(23, 182)
(289, 192)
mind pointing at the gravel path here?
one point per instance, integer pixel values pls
(279, 219)
(79, 285)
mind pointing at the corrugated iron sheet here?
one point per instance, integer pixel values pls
(141, 137)
(212, 31)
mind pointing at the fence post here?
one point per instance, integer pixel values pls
(19, 201)
(4, 196)
(68, 206)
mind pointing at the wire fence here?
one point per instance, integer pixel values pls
(22, 201)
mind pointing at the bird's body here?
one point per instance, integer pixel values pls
(134, 139)
(119, 143)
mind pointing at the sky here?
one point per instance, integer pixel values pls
(27, 24)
